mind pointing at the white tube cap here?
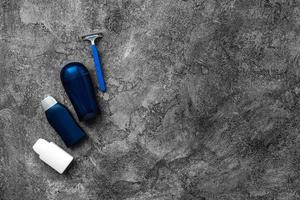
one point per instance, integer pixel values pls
(52, 155)
(40, 146)
(48, 102)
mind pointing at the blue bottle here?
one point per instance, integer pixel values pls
(62, 121)
(79, 88)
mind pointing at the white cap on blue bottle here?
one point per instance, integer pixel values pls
(48, 102)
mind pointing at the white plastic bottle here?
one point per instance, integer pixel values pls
(52, 155)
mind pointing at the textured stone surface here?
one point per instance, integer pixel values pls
(202, 101)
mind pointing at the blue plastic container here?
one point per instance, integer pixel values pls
(60, 118)
(79, 88)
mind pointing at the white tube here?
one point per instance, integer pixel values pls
(52, 155)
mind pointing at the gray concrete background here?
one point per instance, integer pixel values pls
(202, 101)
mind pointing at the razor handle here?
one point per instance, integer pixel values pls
(99, 72)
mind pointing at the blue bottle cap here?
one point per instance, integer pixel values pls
(73, 70)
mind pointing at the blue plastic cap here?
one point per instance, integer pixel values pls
(72, 70)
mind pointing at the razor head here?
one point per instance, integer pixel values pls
(92, 37)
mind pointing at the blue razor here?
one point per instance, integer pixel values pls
(97, 61)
